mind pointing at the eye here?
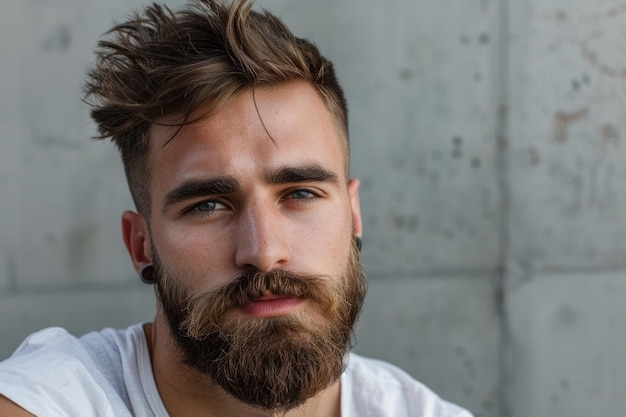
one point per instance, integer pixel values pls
(207, 207)
(302, 195)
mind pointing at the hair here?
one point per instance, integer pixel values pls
(158, 64)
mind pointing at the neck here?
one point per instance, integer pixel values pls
(186, 393)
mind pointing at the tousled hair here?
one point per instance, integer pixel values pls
(160, 63)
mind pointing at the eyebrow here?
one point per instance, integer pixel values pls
(200, 188)
(307, 173)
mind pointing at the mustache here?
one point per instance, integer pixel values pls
(209, 308)
(250, 286)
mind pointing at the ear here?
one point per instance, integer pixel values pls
(136, 239)
(353, 191)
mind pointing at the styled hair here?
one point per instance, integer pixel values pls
(158, 64)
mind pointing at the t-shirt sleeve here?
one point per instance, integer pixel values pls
(374, 388)
(47, 376)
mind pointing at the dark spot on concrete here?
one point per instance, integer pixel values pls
(533, 156)
(406, 74)
(399, 163)
(561, 15)
(470, 367)
(586, 79)
(554, 398)
(60, 39)
(456, 153)
(421, 171)
(398, 196)
(484, 38)
(411, 352)
(617, 10)
(460, 351)
(434, 178)
(477, 77)
(576, 85)
(591, 56)
(564, 385)
(449, 234)
(399, 221)
(457, 141)
(413, 223)
(580, 164)
(476, 162)
(464, 39)
(563, 120)
(567, 315)
(608, 134)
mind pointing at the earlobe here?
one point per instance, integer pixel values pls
(353, 190)
(136, 239)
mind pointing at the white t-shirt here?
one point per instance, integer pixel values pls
(108, 373)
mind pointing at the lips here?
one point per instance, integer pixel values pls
(270, 305)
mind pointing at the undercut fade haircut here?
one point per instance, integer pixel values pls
(160, 64)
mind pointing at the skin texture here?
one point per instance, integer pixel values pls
(9, 409)
(302, 226)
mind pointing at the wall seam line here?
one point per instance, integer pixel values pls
(503, 184)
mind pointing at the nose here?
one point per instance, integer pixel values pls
(262, 238)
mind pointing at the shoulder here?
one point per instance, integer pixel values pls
(54, 370)
(377, 388)
(62, 348)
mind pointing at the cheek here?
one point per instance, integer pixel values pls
(195, 255)
(327, 244)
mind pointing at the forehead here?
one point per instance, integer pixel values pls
(257, 130)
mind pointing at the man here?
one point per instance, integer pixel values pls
(234, 139)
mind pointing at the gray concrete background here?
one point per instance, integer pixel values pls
(489, 137)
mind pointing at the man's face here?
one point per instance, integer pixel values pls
(241, 201)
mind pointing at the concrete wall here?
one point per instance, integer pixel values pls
(489, 139)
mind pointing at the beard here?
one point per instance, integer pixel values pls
(271, 363)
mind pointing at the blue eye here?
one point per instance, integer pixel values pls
(302, 194)
(208, 206)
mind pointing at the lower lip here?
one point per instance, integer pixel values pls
(274, 307)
